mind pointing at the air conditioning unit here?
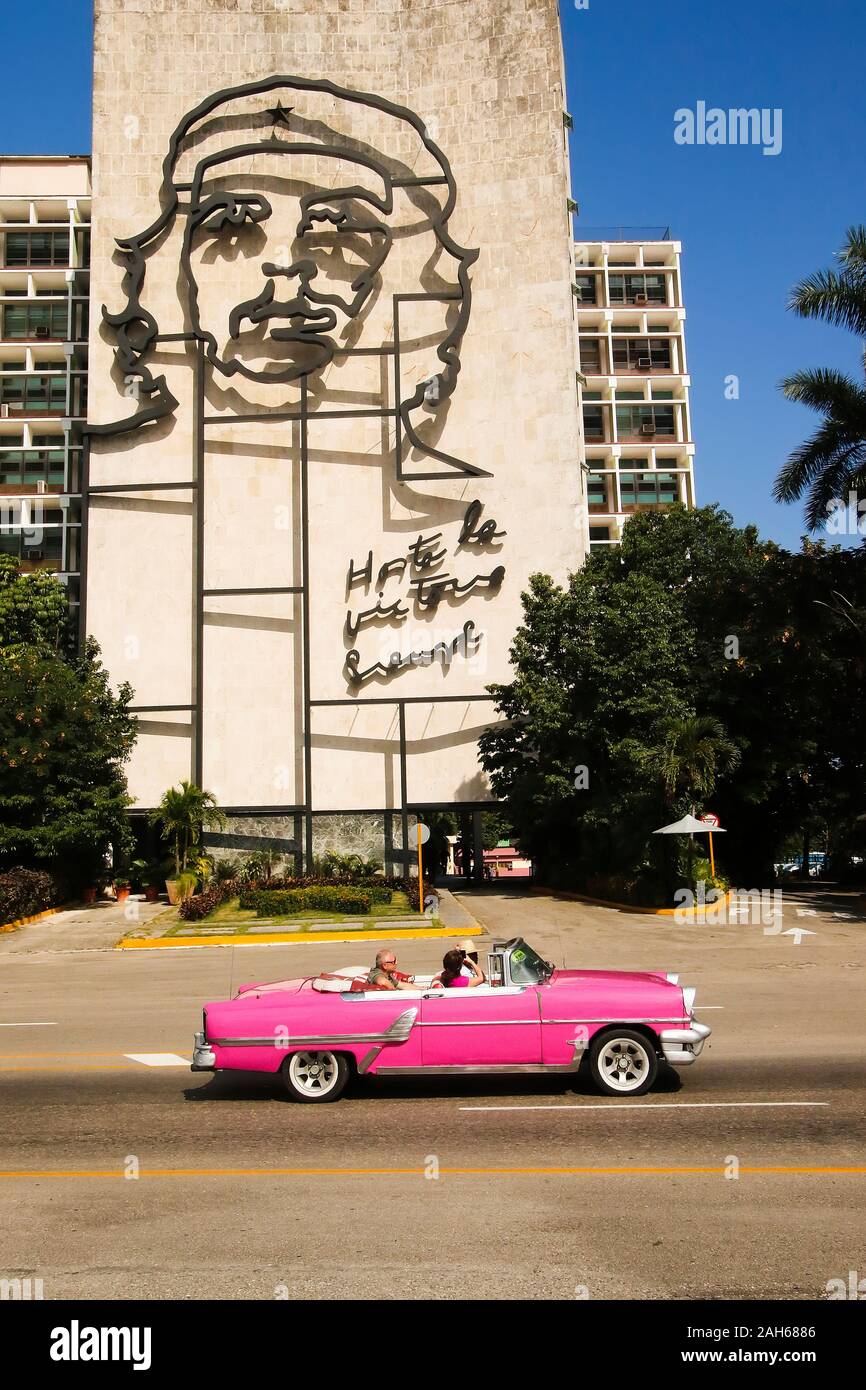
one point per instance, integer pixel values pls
(640, 299)
(41, 331)
(4, 412)
(648, 428)
(41, 486)
(645, 363)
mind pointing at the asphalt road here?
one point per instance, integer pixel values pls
(242, 1194)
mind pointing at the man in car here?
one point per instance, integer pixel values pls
(385, 975)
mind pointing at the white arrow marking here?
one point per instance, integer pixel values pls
(798, 933)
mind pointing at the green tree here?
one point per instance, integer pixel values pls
(832, 462)
(183, 813)
(754, 654)
(34, 609)
(64, 738)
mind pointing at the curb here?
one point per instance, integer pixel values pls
(37, 917)
(164, 943)
(629, 907)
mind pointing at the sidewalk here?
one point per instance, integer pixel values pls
(95, 927)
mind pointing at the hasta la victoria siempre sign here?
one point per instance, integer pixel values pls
(309, 223)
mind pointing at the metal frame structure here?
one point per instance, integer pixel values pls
(134, 345)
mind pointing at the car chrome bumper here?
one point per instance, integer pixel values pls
(681, 1046)
(203, 1058)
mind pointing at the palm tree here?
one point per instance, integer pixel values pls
(183, 812)
(833, 462)
(695, 751)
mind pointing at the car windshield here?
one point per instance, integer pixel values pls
(527, 967)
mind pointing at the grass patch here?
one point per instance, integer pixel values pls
(230, 914)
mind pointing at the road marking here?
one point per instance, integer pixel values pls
(158, 1059)
(664, 1105)
(715, 1170)
(28, 1025)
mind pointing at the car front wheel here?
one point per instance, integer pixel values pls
(623, 1062)
(315, 1076)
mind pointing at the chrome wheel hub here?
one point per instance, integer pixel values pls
(624, 1064)
(314, 1072)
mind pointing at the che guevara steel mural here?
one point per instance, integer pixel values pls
(291, 314)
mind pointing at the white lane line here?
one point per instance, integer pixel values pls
(28, 1025)
(157, 1059)
(667, 1105)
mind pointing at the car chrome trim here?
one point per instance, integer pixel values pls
(616, 1022)
(477, 1022)
(397, 1032)
(682, 1046)
(368, 1059)
(487, 1068)
(203, 1058)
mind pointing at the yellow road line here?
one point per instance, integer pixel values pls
(84, 1066)
(289, 938)
(715, 1170)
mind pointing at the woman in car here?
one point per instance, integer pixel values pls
(452, 966)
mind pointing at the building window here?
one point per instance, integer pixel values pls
(585, 289)
(634, 421)
(591, 356)
(33, 395)
(593, 422)
(641, 354)
(596, 493)
(648, 490)
(37, 249)
(598, 536)
(30, 320)
(638, 289)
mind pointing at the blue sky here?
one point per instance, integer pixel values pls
(751, 225)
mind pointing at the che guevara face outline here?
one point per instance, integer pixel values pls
(136, 331)
(297, 303)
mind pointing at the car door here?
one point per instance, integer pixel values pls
(483, 1027)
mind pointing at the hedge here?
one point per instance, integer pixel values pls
(26, 892)
(250, 893)
(285, 903)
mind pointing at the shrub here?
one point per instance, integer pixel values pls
(378, 889)
(203, 904)
(270, 903)
(24, 892)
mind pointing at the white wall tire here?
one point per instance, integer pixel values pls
(623, 1062)
(315, 1078)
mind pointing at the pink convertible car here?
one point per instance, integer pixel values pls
(530, 1017)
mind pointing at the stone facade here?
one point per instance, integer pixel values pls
(220, 676)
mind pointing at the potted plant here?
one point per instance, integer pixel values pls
(121, 889)
(182, 814)
(181, 887)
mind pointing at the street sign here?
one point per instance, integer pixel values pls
(423, 833)
(710, 819)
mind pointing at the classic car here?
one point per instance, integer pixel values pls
(318, 1031)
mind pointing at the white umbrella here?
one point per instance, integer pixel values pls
(689, 825)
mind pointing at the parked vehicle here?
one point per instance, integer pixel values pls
(316, 1032)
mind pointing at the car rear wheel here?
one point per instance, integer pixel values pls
(315, 1076)
(623, 1062)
